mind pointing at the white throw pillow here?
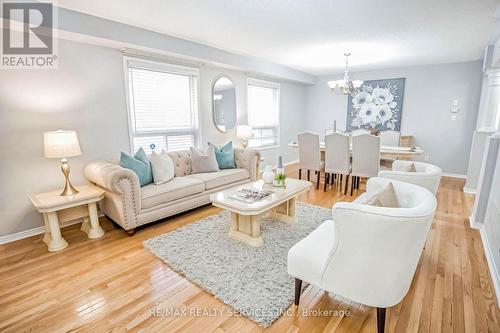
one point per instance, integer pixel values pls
(162, 166)
(203, 161)
(410, 168)
(384, 198)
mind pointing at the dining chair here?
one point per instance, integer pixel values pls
(367, 254)
(390, 138)
(310, 155)
(337, 159)
(365, 158)
(359, 131)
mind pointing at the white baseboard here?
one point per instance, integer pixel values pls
(469, 190)
(454, 175)
(495, 275)
(32, 232)
(473, 224)
(291, 162)
(36, 231)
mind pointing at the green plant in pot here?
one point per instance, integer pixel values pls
(279, 180)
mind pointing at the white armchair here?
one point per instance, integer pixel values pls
(426, 175)
(367, 253)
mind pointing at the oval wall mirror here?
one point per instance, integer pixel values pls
(224, 104)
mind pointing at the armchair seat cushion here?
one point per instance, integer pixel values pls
(179, 187)
(220, 178)
(308, 258)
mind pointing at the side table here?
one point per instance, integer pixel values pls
(49, 203)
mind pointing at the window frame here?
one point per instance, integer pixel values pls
(277, 92)
(165, 67)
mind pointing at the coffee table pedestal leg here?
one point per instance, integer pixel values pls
(284, 212)
(246, 228)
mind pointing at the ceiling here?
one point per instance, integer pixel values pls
(313, 35)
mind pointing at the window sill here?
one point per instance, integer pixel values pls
(266, 147)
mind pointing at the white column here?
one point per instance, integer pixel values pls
(488, 167)
(487, 122)
(487, 116)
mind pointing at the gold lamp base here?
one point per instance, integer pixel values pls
(68, 187)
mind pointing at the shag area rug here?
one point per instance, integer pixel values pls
(253, 281)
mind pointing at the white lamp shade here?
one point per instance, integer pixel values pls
(61, 144)
(244, 132)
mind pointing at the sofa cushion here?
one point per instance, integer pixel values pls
(177, 188)
(221, 178)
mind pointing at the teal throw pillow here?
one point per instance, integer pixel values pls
(225, 156)
(139, 164)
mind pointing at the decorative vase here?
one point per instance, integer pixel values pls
(268, 174)
(280, 169)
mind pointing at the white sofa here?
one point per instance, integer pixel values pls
(427, 175)
(367, 253)
(130, 205)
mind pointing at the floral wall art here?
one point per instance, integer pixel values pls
(377, 105)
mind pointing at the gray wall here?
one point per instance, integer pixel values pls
(429, 92)
(87, 93)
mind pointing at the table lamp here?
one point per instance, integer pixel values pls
(62, 144)
(244, 133)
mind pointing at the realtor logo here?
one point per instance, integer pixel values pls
(28, 35)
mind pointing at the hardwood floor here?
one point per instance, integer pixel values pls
(113, 283)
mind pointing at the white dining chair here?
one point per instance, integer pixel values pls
(365, 158)
(390, 138)
(310, 155)
(368, 254)
(360, 131)
(337, 159)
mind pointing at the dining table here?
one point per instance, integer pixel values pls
(394, 152)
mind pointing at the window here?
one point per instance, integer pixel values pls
(163, 105)
(263, 112)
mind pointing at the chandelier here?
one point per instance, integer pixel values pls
(345, 85)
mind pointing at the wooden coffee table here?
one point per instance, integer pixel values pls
(246, 217)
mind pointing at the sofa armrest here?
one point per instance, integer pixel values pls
(248, 158)
(122, 201)
(108, 175)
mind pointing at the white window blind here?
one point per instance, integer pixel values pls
(263, 112)
(163, 103)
